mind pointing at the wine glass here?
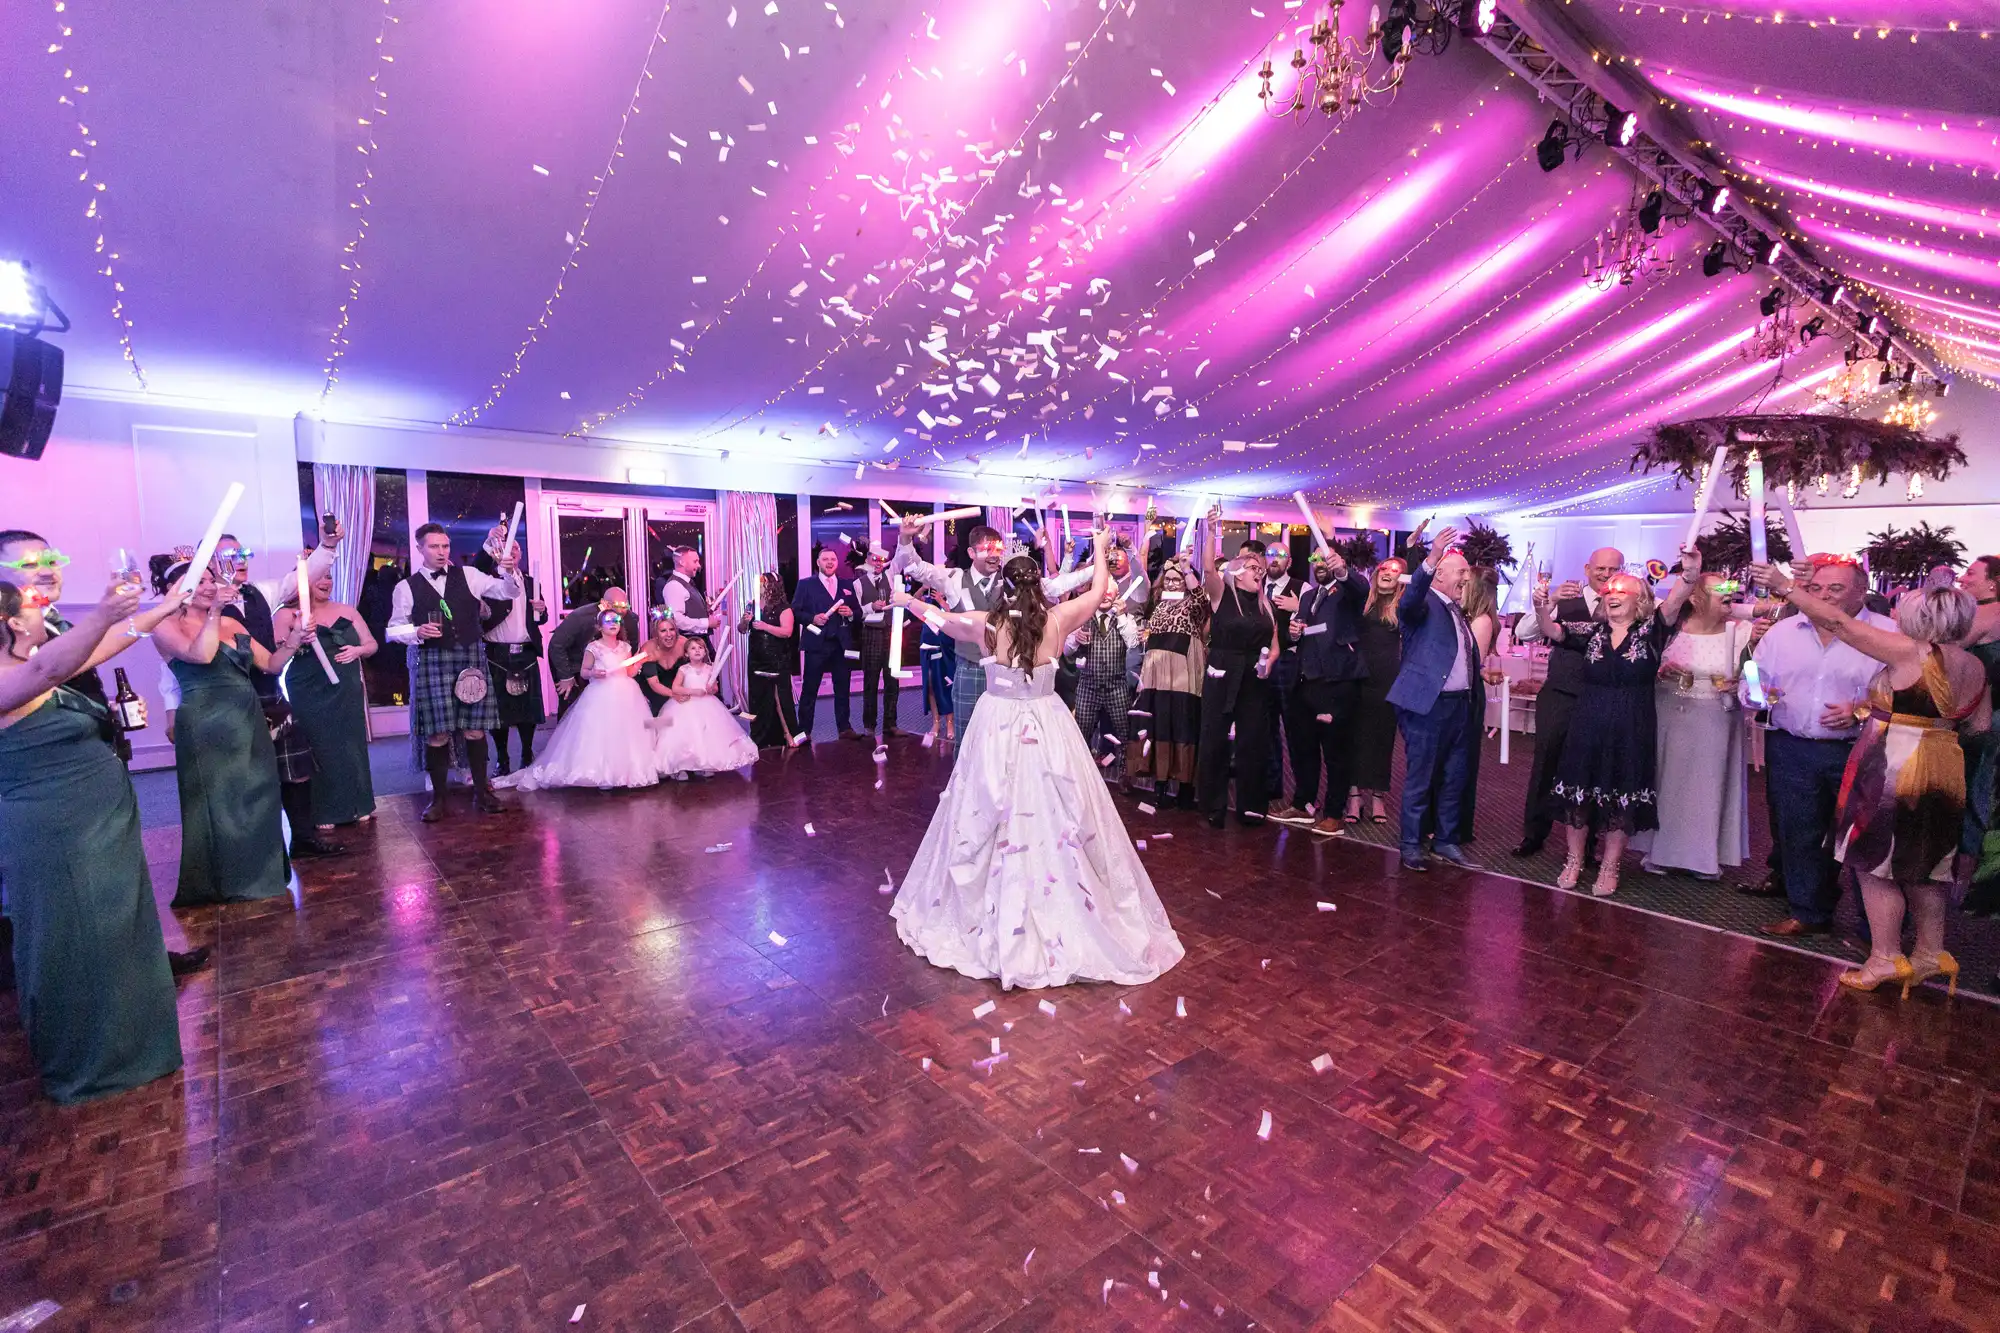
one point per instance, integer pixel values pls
(125, 568)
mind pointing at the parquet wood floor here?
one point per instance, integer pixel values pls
(660, 1056)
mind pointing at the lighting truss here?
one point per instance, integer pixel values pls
(1685, 180)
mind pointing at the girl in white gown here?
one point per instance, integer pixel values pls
(605, 739)
(697, 733)
(1027, 873)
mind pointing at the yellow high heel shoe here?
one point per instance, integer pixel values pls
(1943, 965)
(1867, 977)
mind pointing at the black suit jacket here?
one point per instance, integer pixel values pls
(834, 638)
(1331, 653)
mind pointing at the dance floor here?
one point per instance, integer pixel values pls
(658, 1061)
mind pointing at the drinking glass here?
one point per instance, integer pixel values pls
(125, 568)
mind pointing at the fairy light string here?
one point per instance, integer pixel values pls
(376, 107)
(75, 90)
(581, 242)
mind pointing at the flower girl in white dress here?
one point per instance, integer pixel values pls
(604, 740)
(696, 732)
(1027, 873)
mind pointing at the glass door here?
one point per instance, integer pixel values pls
(590, 546)
(670, 525)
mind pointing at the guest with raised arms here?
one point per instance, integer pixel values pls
(974, 589)
(1433, 700)
(95, 987)
(872, 587)
(773, 655)
(436, 613)
(1166, 713)
(1326, 627)
(1374, 735)
(1281, 592)
(1235, 713)
(514, 653)
(1555, 704)
(232, 836)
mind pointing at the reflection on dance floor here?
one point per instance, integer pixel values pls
(659, 1056)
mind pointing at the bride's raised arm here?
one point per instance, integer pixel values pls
(1070, 616)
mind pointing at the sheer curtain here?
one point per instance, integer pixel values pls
(748, 550)
(348, 493)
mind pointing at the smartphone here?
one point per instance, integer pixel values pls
(327, 524)
(1753, 683)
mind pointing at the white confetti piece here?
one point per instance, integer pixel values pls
(718, 847)
(1118, 1197)
(1025, 1262)
(1131, 1166)
(927, 1064)
(1264, 1127)
(1180, 1006)
(1047, 1008)
(1140, 844)
(1108, 1285)
(1326, 907)
(777, 939)
(811, 832)
(576, 1315)
(996, 1046)
(1124, 1008)
(1322, 1063)
(1145, 809)
(1213, 894)
(746, 85)
(540, 170)
(984, 1008)
(1089, 1150)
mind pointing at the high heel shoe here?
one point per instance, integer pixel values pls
(1872, 974)
(1606, 882)
(1941, 965)
(1572, 871)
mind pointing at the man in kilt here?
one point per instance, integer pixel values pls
(872, 587)
(1103, 694)
(974, 589)
(436, 613)
(514, 654)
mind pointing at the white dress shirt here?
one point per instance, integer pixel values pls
(1529, 627)
(1458, 678)
(674, 596)
(1805, 676)
(482, 585)
(956, 584)
(514, 629)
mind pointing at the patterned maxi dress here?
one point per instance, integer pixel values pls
(1902, 799)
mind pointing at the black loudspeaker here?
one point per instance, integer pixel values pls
(31, 382)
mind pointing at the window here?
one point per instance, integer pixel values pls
(387, 673)
(840, 523)
(788, 542)
(470, 505)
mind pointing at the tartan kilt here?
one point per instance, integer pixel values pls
(295, 756)
(875, 646)
(523, 663)
(434, 709)
(967, 684)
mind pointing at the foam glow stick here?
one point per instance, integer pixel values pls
(1311, 522)
(204, 551)
(894, 517)
(1759, 542)
(306, 619)
(970, 511)
(1706, 496)
(1201, 507)
(896, 628)
(513, 526)
(634, 658)
(1066, 537)
(1506, 718)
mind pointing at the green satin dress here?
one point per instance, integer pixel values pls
(662, 676)
(334, 719)
(232, 840)
(90, 964)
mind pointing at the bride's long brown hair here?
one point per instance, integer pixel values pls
(1022, 605)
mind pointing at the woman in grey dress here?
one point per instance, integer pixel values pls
(1704, 824)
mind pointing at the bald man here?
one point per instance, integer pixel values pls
(1574, 601)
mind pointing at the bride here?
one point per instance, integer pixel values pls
(606, 738)
(1027, 874)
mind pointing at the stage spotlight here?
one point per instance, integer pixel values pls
(1868, 326)
(1853, 353)
(1768, 250)
(1811, 329)
(1943, 388)
(1888, 376)
(1716, 259)
(1712, 198)
(1489, 12)
(1620, 127)
(1882, 349)
(19, 299)
(1909, 373)
(1651, 211)
(1831, 292)
(1555, 143)
(1769, 305)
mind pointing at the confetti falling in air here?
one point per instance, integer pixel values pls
(1324, 907)
(576, 1315)
(810, 833)
(777, 939)
(713, 848)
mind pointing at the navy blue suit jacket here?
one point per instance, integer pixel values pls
(1430, 645)
(834, 638)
